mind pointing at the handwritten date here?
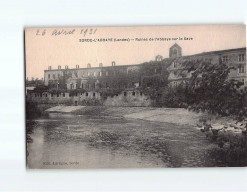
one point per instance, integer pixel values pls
(59, 32)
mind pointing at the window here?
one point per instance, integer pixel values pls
(106, 73)
(241, 69)
(93, 94)
(140, 93)
(52, 95)
(241, 57)
(100, 74)
(88, 73)
(46, 95)
(175, 83)
(82, 86)
(225, 59)
(125, 93)
(133, 93)
(54, 76)
(175, 52)
(175, 64)
(63, 94)
(35, 95)
(49, 76)
(57, 94)
(86, 94)
(155, 70)
(243, 81)
(94, 74)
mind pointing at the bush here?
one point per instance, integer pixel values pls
(91, 102)
(231, 148)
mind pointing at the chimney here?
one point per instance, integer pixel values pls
(113, 63)
(77, 66)
(49, 67)
(88, 65)
(59, 67)
(66, 67)
(100, 64)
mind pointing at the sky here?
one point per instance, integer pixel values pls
(45, 47)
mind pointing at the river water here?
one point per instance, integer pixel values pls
(73, 141)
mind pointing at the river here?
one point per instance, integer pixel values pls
(112, 141)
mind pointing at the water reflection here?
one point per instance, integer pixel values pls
(63, 141)
(104, 141)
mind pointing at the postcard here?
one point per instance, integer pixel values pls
(136, 97)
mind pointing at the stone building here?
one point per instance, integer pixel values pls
(235, 58)
(89, 82)
(92, 78)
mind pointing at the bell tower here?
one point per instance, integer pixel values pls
(175, 51)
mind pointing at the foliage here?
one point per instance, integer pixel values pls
(74, 92)
(35, 110)
(41, 88)
(210, 89)
(110, 92)
(173, 97)
(91, 102)
(232, 147)
(35, 83)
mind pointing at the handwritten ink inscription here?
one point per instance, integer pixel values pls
(60, 32)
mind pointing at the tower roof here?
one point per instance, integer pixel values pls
(175, 45)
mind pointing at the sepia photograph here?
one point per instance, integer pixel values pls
(136, 97)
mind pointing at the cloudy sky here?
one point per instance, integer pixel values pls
(53, 50)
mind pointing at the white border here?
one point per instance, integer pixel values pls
(16, 15)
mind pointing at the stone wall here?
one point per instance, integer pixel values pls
(125, 98)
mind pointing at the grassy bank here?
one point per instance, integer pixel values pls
(35, 110)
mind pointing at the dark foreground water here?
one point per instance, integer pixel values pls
(70, 141)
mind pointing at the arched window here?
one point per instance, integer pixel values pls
(175, 52)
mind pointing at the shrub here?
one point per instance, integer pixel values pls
(231, 148)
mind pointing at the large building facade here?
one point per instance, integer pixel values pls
(102, 77)
(129, 79)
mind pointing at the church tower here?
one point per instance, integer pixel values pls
(175, 51)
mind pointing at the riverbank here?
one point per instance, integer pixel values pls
(101, 137)
(166, 115)
(148, 136)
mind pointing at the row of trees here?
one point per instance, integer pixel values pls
(208, 89)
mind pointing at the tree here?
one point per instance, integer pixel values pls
(210, 89)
